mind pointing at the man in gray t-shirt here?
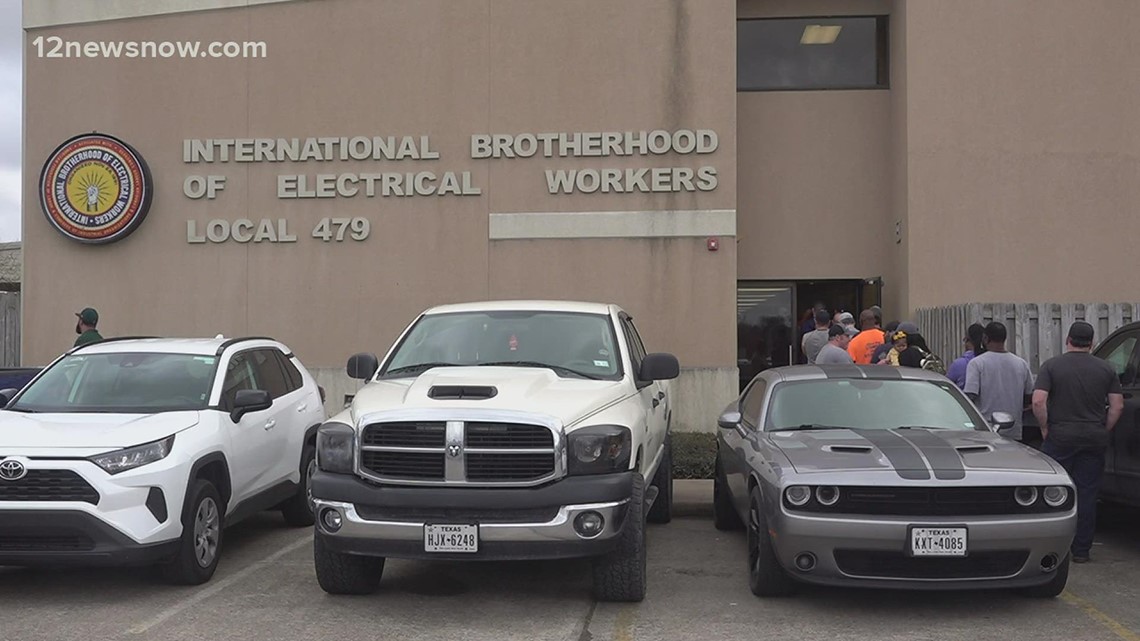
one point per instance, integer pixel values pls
(835, 351)
(815, 340)
(998, 381)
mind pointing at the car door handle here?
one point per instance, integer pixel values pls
(661, 395)
(656, 402)
(270, 424)
(302, 407)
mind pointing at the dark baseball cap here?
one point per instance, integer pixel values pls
(836, 330)
(89, 316)
(1081, 334)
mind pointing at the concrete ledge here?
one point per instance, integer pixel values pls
(50, 13)
(693, 497)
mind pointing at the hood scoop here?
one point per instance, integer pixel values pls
(848, 449)
(974, 449)
(462, 392)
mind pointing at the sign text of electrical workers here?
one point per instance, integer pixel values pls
(408, 184)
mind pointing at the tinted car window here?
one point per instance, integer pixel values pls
(239, 376)
(753, 401)
(636, 347)
(1119, 354)
(870, 405)
(292, 374)
(269, 374)
(122, 382)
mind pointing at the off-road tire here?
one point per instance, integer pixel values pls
(298, 510)
(620, 575)
(1055, 586)
(184, 568)
(339, 573)
(725, 517)
(766, 577)
(662, 509)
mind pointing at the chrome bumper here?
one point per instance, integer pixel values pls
(558, 529)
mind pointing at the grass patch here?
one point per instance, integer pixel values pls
(694, 455)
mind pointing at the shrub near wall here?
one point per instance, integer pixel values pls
(694, 455)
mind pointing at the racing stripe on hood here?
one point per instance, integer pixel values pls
(902, 455)
(945, 461)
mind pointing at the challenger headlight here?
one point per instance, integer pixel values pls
(335, 448)
(132, 457)
(1055, 495)
(599, 449)
(798, 495)
(1025, 496)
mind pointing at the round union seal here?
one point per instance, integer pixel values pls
(95, 189)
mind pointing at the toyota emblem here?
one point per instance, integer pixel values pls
(454, 449)
(12, 470)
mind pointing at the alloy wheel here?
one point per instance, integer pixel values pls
(206, 531)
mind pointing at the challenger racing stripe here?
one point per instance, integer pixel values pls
(943, 459)
(901, 454)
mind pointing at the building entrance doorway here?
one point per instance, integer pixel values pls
(771, 316)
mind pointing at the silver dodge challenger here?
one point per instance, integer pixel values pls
(886, 477)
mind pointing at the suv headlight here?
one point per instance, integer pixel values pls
(132, 457)
(335, 448)
(599, 449)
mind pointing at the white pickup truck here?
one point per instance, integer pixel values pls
(499, 431)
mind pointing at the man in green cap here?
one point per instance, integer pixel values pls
(85, 327)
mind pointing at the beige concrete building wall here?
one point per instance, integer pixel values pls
(435, 68)
(815, 190)
(1023, 150)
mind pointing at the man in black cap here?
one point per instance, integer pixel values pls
(1069, 401)
(85, 327)
(835, 351)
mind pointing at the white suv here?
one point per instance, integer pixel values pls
(141, 451)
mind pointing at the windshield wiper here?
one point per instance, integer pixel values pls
(814, 426)
(419, 367)
(557, 368)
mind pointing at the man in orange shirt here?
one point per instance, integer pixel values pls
(863, 346)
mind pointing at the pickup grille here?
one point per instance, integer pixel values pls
(459, 453)
(49, 485)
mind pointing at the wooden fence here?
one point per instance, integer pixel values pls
(1036, 330)
(9, 329)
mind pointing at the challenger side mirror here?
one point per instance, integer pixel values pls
(6, 396)
(729, 419)
(1002, 421)
(659, 367)
(250, 400)
(362, 366)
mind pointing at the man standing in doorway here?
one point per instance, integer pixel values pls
(835, 351)
(863, 346)
(1077, 402)
(85, 327)
(814, 341)
(998, 381)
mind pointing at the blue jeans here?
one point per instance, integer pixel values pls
(1086, 467)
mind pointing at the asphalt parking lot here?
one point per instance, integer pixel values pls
(265, 589)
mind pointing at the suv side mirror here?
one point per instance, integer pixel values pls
(362, 366)
(6, 396)
(1002, 421)
(250, 400)
(659, 367)
(729, 419)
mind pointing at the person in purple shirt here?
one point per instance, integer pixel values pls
(975, 345)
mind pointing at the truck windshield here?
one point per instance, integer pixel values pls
(123, 383)
(574, 345)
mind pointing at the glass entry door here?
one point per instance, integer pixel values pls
(765, 330)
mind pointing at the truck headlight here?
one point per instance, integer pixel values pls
(336, 444)
(599, 449)
(132, 457)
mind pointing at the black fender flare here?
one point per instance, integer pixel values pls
(203, 461)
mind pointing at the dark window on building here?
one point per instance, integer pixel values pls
(788, 54)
